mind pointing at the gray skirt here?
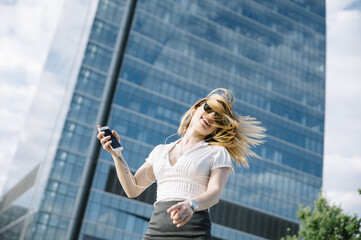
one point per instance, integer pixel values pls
(161, 227)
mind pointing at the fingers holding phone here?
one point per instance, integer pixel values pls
(109, 139)
(104, 140)
(115, 134)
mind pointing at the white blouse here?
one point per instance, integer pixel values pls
(189, 176)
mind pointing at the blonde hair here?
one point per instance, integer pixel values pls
(234, 132)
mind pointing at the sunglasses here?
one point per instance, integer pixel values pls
(210, 110)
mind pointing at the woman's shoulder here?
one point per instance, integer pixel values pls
(163, 146)
(221, 158)
(159, 147)
(156, 151)
(216, 148)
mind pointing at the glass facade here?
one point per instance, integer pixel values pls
(68, 165)
(270, 54)
(30, 195)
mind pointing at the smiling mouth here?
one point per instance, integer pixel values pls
(206, 122)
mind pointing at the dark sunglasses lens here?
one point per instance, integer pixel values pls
(207, 108)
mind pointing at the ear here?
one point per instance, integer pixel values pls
(192, 113)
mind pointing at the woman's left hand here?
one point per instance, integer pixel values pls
(180, 213)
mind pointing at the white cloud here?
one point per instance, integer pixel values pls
(342, 178)
(26, 30)
(342, 161)
(336, 5)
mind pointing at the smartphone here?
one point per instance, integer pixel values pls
(115, 145)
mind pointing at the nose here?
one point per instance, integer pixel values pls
(211, 116)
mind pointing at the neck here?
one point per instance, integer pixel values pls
(191, 137)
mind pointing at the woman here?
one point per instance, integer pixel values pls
(192, 171)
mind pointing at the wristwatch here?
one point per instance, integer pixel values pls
(193, 204)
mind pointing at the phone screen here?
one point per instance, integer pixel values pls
(115, 144)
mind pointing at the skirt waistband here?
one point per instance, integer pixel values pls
(161, 226)
(167, 204)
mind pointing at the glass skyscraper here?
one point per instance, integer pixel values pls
(138, 66)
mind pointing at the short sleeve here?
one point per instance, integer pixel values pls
(222, 159)
(152, 156)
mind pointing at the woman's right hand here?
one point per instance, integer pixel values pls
(104, 141)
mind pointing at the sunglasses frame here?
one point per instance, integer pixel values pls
(209, 110)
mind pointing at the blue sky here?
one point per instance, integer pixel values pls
(26, 31)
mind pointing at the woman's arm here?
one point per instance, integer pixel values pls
(217, 181)
(210, 197)
(132, 185)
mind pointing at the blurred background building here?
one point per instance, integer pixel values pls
(137, 66)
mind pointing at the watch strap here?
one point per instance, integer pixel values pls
(193, 204)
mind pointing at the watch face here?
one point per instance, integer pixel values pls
(194, 205)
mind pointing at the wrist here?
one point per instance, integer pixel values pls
(116, 155)
(193, 204)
